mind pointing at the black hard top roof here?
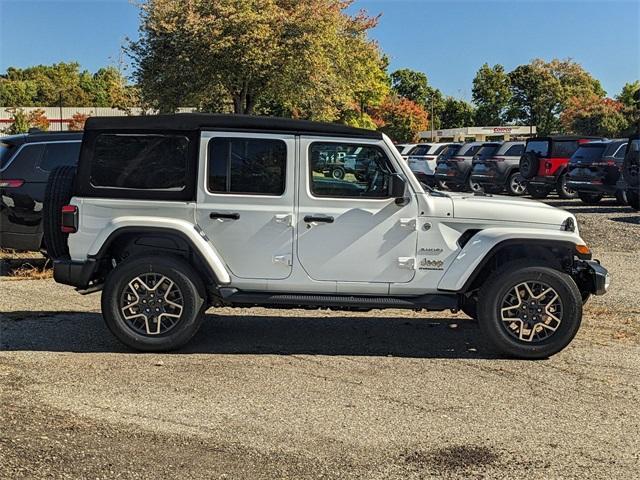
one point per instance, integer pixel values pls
(206, 121)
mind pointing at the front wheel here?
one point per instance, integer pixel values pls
(529, 311)
(633, 198)
(153, 303)
(338, 173)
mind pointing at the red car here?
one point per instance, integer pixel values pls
(544, 163)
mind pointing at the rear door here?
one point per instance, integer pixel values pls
(245, 201)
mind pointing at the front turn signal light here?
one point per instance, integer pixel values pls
(583, 249)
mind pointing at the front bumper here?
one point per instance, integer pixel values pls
(593, 277)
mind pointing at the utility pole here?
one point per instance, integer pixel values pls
(432, 118)
(60, 105)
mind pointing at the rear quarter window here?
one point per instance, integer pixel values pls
(6, 151)
(564, 148)
(140, 162)
(57, 154)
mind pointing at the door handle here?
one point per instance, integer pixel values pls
(318, 219)
(224, 216)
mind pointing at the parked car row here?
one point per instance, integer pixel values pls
(589, 168)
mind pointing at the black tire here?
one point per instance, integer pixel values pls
(184, 278)
(514, 185)
(474, 187)
(564, 191)
(538, 192)
(590, 198)
(621, 197)
(529, 164)
(503, 338)
(57, 193)
(338, 173)
(633, 198)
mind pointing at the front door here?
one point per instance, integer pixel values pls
(350, 229)
(245, 201)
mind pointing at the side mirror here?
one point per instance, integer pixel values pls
(398, 189)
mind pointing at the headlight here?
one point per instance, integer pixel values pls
(569, 225)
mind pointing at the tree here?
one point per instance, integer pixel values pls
(414, 86)
(400, 118)
(310, 59)
(592, 115)
(629, 97)
(49, 85)
(540, 91)
(457, 113)
(491, 94)
(19, 122)
(77, 121)
(38, 119)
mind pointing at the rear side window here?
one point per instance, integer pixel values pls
(592, 153)
(26, 159)
(564, 148)
(622, 149)
(469, 150)
(60, 153)
(486, 151)
(6, 151)
(140, 162)
(539, 147)
(514, 151)
(449, 152)
(440, 149)
(420, 150)
(247, 166)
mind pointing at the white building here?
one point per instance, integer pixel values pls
(479, 134)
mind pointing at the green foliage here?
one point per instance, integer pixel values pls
(540, 91)
(48, 85)
(304, 59)
(20, 122)
(629, 97)
(592, 115)
(457, 113)
(491, 94)
(411, 85)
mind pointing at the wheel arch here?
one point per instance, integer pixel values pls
(127, 241)
(484, 253)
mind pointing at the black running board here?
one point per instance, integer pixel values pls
(443, 301)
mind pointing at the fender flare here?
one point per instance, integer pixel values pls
(485, 244)
(187, 231)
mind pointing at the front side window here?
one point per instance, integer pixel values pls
(247, 166)
(365, 171)
(140, 162)
(60, 153)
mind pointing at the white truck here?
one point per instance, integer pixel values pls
(169, 215)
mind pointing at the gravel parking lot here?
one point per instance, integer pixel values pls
(317, 394)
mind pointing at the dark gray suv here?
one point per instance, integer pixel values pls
(501, 170)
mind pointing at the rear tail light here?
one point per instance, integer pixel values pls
(11, 183)
(69, 223)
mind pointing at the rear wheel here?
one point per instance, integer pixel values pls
(538, 192)
(590, 198)
(57, 193)
(529, 311)
(153, 303)
(564, 191)
(515, 186)
(338, 173)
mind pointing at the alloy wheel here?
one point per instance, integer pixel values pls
(516, 186)
(151, 304)
(531, 311)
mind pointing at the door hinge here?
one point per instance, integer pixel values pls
(408, 263)
(408, 223)
(284, 218)
(282, 260)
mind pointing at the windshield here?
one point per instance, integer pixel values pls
(486, 151)
(6, 150)
(540, 147)
(420, 150)
(469, 150)
(591, 153)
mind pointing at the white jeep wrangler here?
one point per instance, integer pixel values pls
(172, 214)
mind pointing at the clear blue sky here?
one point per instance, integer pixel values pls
(448, 40)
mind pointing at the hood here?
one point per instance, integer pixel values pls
(506, 209)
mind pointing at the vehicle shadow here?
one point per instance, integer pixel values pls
(411, 337)
(632, 220)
